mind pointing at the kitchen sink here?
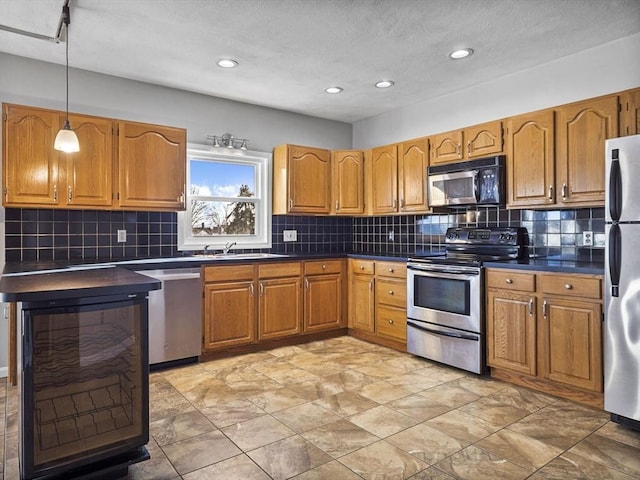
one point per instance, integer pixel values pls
(239, 256)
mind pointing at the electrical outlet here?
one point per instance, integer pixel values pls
(122, 236)
(290, 235)
(392, 236)
(587, 238)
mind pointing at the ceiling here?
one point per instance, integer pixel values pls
(289, 51)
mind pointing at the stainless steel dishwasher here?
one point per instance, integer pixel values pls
(175, 315)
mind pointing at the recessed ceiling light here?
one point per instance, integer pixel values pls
(333, 89)
(385, 83)
(462, 53)
(227, 63)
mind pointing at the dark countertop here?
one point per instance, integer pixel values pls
(88, 282)
(550, 264)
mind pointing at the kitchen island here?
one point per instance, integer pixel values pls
(82, 369)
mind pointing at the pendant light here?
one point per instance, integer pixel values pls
(66, 139)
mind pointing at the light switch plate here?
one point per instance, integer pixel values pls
(587, 238)
(122, 236)
(290, 235)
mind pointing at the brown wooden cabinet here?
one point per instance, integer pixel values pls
(229, 308)
(398, 177)
(472, 142)
(630, 112)
(323, 295)
(378, 301)
(348, 182)
(581, 131)
(280, 300)
(151, 166)
(544, 330)
(531, 159)
(301, 180)
(148, 166)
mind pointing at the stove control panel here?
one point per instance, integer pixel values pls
(516, 236)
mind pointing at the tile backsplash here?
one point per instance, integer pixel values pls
(46, 234)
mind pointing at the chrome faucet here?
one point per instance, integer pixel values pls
(206, 248)
(227, 247)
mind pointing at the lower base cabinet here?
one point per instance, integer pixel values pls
(544, 330)
(323, 295)
(280, 303)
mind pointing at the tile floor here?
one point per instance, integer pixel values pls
(344, 409)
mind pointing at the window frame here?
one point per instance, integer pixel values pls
(262, 200)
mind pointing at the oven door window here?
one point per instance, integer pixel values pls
(442, 294)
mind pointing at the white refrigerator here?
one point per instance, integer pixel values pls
(622, 281)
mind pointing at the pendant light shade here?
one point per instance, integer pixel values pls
(66, 139)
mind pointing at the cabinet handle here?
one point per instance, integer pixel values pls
(551, 192)
(402, 203)
(564, 191)
(459, 150)
(544, 309)
(361, 267)
(261, 289)
(306, 283)
(531, 307)
(509, 281)
(336, 204)
(370, 285)
(390, 270)
(324, 266)
(469, 148)
(390, 322)
(290, 203)
(390, 292)
(568, 286)
(55, 193)
(69, 194)
(251, 289)
(395, 203)
(181, 199)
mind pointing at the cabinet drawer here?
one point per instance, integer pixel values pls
(391, 292)
(509, 280)
(235, 272)
(572, 285)
(392, 269)
(275, 270)
(324, 266)
(357, 265)
(392, 322)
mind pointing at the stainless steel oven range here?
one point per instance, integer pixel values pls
(445, 295)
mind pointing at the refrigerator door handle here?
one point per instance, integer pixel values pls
(615, 187)
(615, 258)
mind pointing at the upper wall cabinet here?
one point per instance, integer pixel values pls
(581, 130)
(530, 159)
(398, 177)
(348, 182)
(630, 112)
(151, 166)
(301, 180)
(473, 142)
(151, 172)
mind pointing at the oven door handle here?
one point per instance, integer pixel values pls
(444, 334)
(449, 272)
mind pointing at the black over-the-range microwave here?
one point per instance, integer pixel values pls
(474, 182)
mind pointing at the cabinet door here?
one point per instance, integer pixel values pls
(229, 314)
(361, 303)
(89, 172)
(630, 115)
(483, 140)
(322, 302)
(29, 162)
(348, 182)
(309, 178)
(384, 176)
(412, 175)
(571, 342)
(582, 129)
(511, 331)
(445, 147)
(530, 157)
(280, 308)
(151, 166)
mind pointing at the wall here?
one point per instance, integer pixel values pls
(609, 68)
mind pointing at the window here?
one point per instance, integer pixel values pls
(228, 200)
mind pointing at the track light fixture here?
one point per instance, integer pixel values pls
(229, 141)
(66, 139)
